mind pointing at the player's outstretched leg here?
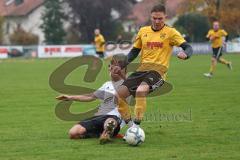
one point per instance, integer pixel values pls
(227, 63)
(109, 126)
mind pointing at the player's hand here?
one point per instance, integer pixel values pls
(224, 44)
(182, 55)
(116, 69)
(64, 98)
(212, 38)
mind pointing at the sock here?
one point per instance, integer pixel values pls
(124, 110)
(140, 108)
(223, 61)
(212, 68)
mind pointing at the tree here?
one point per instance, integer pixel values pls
(190, 6)
(162, 2)
(226, 11)
(229, 17)
(1, 29)
(22, 37)
(53, 20)
(194, 25)
(88, 15)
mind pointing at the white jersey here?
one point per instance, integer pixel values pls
(107, 93)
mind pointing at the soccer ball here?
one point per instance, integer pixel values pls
(134, 136)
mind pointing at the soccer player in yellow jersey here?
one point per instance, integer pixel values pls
(155, 44)
(99, 43)
(216, 35)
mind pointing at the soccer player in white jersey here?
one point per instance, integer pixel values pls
(106, 122)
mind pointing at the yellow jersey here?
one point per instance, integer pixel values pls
(217, 37)
(156, 47)
(99, 43)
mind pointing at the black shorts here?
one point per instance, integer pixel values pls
(100, 54)
(152, 78)
(95, 125)
(217, 52)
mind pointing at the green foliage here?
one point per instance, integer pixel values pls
(194, 25)
(162, 2)
(72, 37)
(226, 11)
(22, 37)
(89, 15)
(53, 22)
(114, 31)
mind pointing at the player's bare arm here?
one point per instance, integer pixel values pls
(82, 98)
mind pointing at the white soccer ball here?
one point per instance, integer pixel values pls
(134, 136)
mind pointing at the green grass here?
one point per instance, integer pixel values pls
(30, 130)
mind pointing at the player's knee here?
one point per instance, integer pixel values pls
(73, 134)
(142, 90)
(214, 60)
(123, 92)
(218, 59)
(76, 132)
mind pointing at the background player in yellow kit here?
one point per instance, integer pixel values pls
(216, 35)
(155, 43)
(99, 43)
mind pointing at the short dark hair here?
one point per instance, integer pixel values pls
(121, 59)
(158, 8)
(214, 19)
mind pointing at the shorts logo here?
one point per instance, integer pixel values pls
(158, 84)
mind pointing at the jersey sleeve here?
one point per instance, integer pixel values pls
(224, 33)
(176, 38)
(138, 40)
(100, 92)
(102, 39)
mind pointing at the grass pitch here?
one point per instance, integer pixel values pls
(199, 119)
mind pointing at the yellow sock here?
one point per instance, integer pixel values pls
(140, 107)
(223, 61)
(124, 109)
(212, 68)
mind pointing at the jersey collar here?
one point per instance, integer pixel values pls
(159, 29)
